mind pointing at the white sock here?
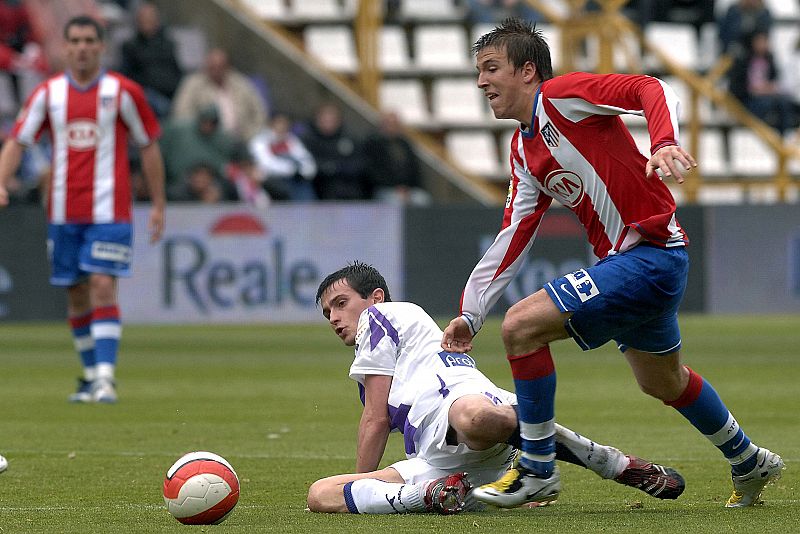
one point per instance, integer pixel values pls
(90, 373)
(606, 461)
(105, 371)
(372, 496)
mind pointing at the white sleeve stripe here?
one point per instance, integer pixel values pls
(130, 115)
(34, 117)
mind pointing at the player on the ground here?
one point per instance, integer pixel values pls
(573, 147)
(90, 114)
(453, 419)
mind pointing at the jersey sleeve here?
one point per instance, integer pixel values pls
(32, 118)
(137, 114)
(377, 342)
(525, 207)
(580, 95)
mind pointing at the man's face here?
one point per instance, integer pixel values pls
(342, 306)
(501, 84)
(84, 50)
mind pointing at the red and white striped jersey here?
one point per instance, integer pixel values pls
(580, 153)
(90, 126)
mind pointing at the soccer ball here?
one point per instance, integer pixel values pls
(201, 488)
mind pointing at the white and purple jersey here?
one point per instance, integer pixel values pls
(399, 339)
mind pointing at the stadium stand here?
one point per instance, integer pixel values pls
(425, 73)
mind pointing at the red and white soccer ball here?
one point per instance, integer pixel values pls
(201, 488)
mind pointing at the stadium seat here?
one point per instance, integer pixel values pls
(720, 194)
(749, 155)
(505, 147)
(441, 48)
(709, 45)
(316, 10)
(783, 39)
(677, 41)
(783, 9)
(458, 102)
(191, 46)
(333, 46)
(407, 99)
(474, 151)
(685, 98)
(440, 10)
(627, 53)
(267, 9)
(393, 53)
(710, 155)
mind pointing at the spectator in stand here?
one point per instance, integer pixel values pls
(186, 143)
(241, 110)
(20, 54)
(243, 173)
(202, 184)
(340, 162)
(790, 80)
(743, 19)
(392, 166)
(285, 164)
(486, 11)
(149, 59)
(754, 80)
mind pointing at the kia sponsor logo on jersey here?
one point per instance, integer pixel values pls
(565, 186)
(82, 134)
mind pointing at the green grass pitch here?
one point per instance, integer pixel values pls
(276, 402)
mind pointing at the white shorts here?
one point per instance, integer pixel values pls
(435, 458)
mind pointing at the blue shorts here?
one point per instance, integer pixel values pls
(76, 250)
(632, 298)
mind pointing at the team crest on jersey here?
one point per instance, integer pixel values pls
(550, 135)
(106, 101)
(565, 186)
(82, 134)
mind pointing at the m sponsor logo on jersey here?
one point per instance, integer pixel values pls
(103, 250)
(82, 134)
(583, 285)
(565, 186)
(550, 135)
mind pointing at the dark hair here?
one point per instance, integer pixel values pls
(84, 20)
(522, 43)
(363, 278)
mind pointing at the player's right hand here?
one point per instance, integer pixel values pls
(457, 336)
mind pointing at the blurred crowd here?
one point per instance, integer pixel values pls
(223, 139)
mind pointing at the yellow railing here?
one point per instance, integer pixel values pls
(611, 29)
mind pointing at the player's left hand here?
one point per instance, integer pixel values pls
(156, 224)
(669, 160)
(457, 336)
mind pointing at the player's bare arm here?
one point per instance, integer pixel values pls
(153, 168)
(457, 336)
(10, 157)
(373, 430)
(669, 159)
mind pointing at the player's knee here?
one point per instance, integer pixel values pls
(665, 390)
(519, 330)
(316, 494)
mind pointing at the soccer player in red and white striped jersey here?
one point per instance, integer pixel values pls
(91, 114)
(573, 147)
